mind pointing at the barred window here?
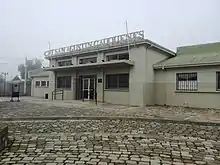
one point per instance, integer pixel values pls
(117, 81)
(186, 81)
(64, 82)
(218, 81)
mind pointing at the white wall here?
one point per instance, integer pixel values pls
(205, 97)
(39, 91)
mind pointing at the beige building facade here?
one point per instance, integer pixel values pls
(112, 74)
(131, 70)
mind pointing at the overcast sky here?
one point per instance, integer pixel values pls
(26, 26)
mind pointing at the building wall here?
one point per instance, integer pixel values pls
(69, 94)
(153, 56)
(141, 77)
(39, 91)
(205, 97)
(137, 76)
(116, 96)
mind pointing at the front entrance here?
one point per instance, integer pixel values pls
(88, 88)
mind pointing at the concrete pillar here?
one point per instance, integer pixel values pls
(52, 84)
(100, 85)
(52, 63)
(100, 57)
(137, 77)
(74, 60)
(73, 88)
(100, 78)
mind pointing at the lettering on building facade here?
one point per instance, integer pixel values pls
(134, 36)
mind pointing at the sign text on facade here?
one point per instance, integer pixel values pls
(98, 43)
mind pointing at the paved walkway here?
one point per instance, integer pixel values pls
(111, 142)
(32, 107)
(108, 142)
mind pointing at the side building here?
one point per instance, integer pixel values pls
(39, 83)
(192, 78)
(107, 70)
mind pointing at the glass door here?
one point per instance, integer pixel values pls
(88, 88)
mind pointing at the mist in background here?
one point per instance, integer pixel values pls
(26, 26)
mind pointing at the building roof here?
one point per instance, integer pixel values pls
(40, 72)
(195, 55)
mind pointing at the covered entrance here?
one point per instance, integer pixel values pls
(86, 88)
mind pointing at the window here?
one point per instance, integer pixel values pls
(124, 56)
(37, 83)
(116, 81)
(64, 82)
(43, 84)
(65, 63)
(186, 81)
(88, 60)
(218, 81)
(47, 83)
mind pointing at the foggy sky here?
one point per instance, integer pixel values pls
(26, 26)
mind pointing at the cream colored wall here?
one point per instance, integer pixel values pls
(116, 97)
(39, 91)
(141, 77)
(205, 97)
(137, 76)
(153, 56)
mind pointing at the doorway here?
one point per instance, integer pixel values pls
(88, 88)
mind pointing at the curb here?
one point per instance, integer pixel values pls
(159, 120)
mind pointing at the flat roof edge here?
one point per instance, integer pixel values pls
(157, 46)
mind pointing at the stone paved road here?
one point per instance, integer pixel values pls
(111, 142)
(32, 107)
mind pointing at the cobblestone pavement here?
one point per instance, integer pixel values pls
(32, 107)
(111, 142)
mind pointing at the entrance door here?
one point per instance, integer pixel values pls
(88, 88)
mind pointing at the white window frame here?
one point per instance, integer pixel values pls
(42, 83)
(37, 86)
(186, 84)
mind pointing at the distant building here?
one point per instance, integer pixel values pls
(39, 82)
(147, 74)
(18, 84)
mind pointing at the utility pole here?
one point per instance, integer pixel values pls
(25, 76)
(5, 81)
